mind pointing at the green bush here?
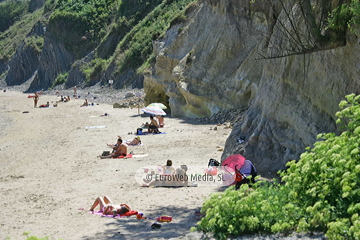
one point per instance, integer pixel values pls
(80, 24)
(345, 16)
(15, 35)
(320, 191)
(60, 79)
(93, 69)
(136, 47)
(10, 11)
(35, 42)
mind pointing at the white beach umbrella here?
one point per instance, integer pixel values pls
(160, 105)
(153, 110)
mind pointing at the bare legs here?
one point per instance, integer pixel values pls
(102, 201)
(109, 156)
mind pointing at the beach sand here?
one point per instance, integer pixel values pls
(50, 170)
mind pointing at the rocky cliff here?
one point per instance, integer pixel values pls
(232, 54)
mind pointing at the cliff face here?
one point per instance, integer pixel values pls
(40, 67)
(217, 60)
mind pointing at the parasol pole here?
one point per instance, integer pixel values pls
(138, 95)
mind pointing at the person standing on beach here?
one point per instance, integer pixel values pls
(75, 92)
(36, 99)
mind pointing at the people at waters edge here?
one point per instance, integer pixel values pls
(161, 120)
(119, 150)
(85, 104)
(36, 99)
(107, 207)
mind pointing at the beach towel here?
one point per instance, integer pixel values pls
(31, 96)
(95, 127)
(146, 133)
(128, 214)
(132, 156)
(127, 156)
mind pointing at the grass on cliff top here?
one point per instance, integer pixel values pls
(136, 47)
(320, 192)
(12, 37)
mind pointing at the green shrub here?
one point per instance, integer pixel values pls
(321, 191)
(60, 79)
(93, 69)
(345, 16)
(16, 33)
(35, 42)
(10, 11)
(136, 47)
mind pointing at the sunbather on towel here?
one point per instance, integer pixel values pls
(178, 179)
(107, 207)
(119, 150)
(135, 142)
(45, 105)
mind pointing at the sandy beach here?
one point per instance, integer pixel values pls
(51, 170)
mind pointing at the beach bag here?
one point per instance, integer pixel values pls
(105, 153)
(139, 131)
(213, 163)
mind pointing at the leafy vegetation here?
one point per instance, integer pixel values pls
(10, 12)
(136, 47)
(82, 23)
(345, 16)
(35, 42)
(94, 68)
(12, 37)
(60, 79)
(320, 192)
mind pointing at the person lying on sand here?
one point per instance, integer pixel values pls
(119, 150)
(135, 142)
(178, 179)
(45, 105)
(107, 207)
